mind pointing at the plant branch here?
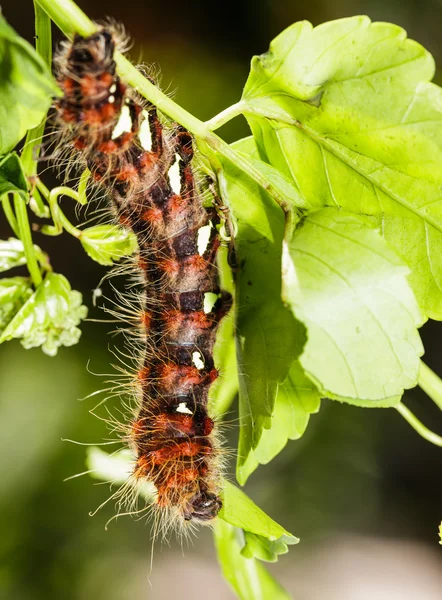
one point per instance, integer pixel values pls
(225, 116)
(43, 45)
(418, 426)
(71, 19)
(24, 231)
(430, 383)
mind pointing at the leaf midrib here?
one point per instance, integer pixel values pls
(330, 147)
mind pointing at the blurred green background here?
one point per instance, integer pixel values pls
(361, 489)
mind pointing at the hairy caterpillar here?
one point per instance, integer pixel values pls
(173, 437)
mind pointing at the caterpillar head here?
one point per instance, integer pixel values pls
(203, 507)
(91, 53)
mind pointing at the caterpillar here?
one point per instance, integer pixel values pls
(174, 439)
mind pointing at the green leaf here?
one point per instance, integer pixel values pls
(223, 391)
(12, 177)
(49, 318)
(347, 112)
(108, 243)
(296, 400)
(247, 577)
(266, 340)
(12, 254)
(14, 291)
(350, 289)
(26, 87)
(257, 546)
(239, 510)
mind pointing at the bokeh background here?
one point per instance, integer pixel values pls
(361, 489)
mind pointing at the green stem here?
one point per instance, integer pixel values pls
(68, 17)
(430, 383)
(225, 116)
(34, 136)
(26, 238)
(71, 19)
(60, 220)
(418, 426)
(82, 187)
(9, 214)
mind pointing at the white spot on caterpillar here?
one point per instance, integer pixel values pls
(144, 134)
(111, 99)
(209, 301)
(113, 88)
(174, 175)
(124, 123)
(182, 408)
(203, 238)
(197, 360)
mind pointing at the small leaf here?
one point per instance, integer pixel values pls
(347, 111)
(49, 318)
(257, 546)
(108, 243)
(12, 177)
(14, 291)
(239, 510)
(26, 87)
(12, 254)
(362, 346)
(247, 577)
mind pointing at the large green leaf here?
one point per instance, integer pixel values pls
(266, 330)
(26, 87)
(347, 111)
(350, 289)
(247, 577)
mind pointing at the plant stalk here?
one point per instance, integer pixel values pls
(24, 231)
(430, 383)
(225, 116)
(43, 45)
(9, 214)
(418, 426)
